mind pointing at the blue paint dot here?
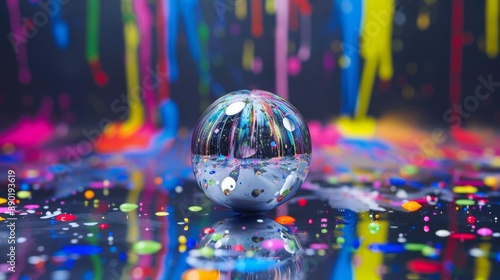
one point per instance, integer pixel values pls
(83, 250)
(212, 172)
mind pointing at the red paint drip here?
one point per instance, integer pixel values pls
(293, 19)
(163, 89)
(456, 48)
(66, 217)
(257, 28)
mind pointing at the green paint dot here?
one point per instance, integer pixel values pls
(146, 247)
(216, 236)
(374, 228)
(415, 246)
(23, 194)
(195, 208)
(465, 202)
(340, 240)
(324, 230)
(428, 251)
(410, 169)
(207, 252)
(127, 207)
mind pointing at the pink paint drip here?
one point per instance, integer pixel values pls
(145, 22)
(18, 40)
(281, 47)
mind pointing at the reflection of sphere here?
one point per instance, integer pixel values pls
(255, 245)
(251, 151)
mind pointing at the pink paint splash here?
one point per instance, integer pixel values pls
(18, 40)
(31, 132)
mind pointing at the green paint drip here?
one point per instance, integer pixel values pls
(127, 207)
(146, 247)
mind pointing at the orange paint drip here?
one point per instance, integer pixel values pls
(285, 220)
(257, 28)
(411, 206)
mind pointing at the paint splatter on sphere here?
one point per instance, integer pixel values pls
(250, 140)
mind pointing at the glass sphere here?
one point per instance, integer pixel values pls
(251, 151)
(252, 247)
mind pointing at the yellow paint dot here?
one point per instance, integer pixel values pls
(199, 274)
(89, 194)
(182, 248)
(182, 239)
(23, 194)
(411, 206)
(491, 181)
(186, 220)
(2, 218)
(161, 213)
(3, 200)
(465, 189)
(423, 21)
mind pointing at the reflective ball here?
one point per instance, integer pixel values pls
(248, 245)
(251, 151)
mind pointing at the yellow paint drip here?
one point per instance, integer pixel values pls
(482, 269)
(240, 9)
(357, 128)
(270, 7)
(248, 51)
(465, 189)
(376, 37)
(491, 29)
(370, 261)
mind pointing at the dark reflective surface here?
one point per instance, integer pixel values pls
(142, 216)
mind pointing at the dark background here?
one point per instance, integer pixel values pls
(314, 92)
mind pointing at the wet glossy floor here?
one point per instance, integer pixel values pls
(141, 216)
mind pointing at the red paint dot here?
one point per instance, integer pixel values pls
(471, 219)
(239, 248)
(103, 226)
(302, 202)
(207, 230)
(423, 266)
(66, 217)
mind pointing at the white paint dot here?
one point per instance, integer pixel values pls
(288, 124)
(228, 184)
(235, 108)
(443, 233)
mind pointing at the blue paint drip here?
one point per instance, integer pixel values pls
(173, 16)
(60, 28)
(169, 115)
(343, 266)
(387, 248)
(350, 22)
